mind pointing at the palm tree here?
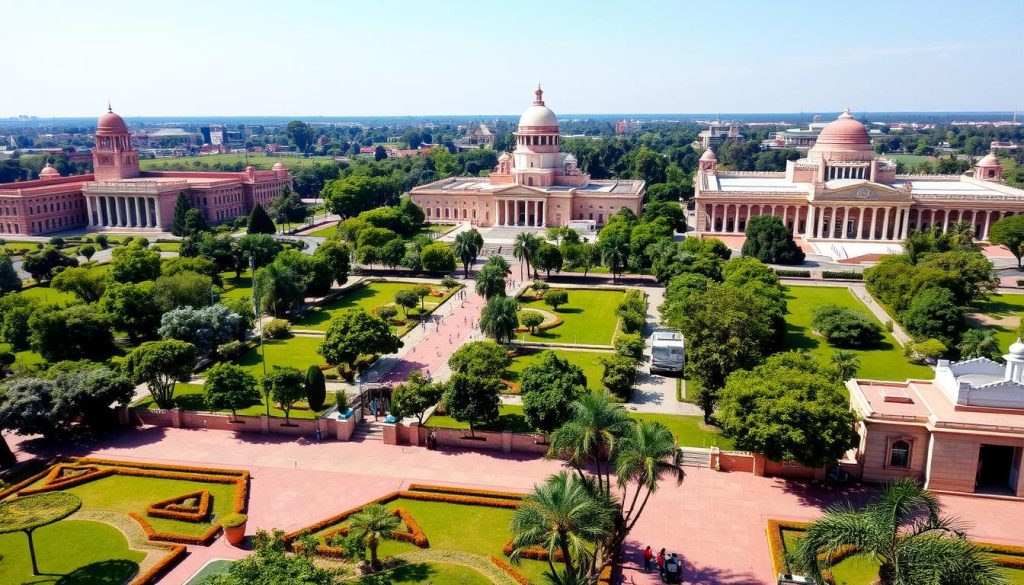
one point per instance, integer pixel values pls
(499, 318)
(961, 235)
(466, 249)
(845, 364)
(563, 515)
(904, 531)
(524, 249)
(644, 454)
(614, 252)
(979, 343)
(373, 525)
(499, 262)
(594, 427)
(490, 282)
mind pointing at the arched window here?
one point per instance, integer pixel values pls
(899, 454)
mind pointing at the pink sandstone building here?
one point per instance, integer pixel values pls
(841, 191)
(961, 432)
(538, 185)
(118, 196)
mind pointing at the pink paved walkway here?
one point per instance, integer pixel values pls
(715, 520)
(443, 337)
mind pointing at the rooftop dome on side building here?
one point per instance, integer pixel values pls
(111, 123)
(49, 172)
(989, 160)
(708, 155)
(279, 166)
(538, 115)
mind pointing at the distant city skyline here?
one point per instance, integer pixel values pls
(261, 58)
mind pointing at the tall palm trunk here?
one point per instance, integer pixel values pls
(7, 458)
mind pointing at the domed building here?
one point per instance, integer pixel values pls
(537, 185)
(118, 196)
(842, 192)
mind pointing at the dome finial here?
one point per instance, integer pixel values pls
(109, 109)
(846, 113)
(540, 96)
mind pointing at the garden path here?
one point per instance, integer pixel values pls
(656, 393)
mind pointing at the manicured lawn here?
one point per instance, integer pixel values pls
(480, 530)
(236, 288)
(884, 362)
(167, 246)
(324, 232)
(70, 552)
(1001, 313)
(190, 397)
(19, 248)
(911, 161)
(688, 430)
(368, 297)
(125, 493)
(23, 359)
(586, 360)
(45, 294)
(433, 573)
(589, 318)
(298, 352)
(510, 418)
(260, 161)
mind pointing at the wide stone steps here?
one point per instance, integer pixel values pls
(695, 457)
(368, 431)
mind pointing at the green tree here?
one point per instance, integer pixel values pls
(287, 385)
(619, 374)
(72, 333)
(437, 257)
(300, 134)
(768, 240)
(260, 248)
(524, 248)
(614, 254)
(181, 208)
(1008, 232)
(85, 283)
(548, 387)
(206, 327)
(562, 515)
(373, 525)
(480, 359)
(590, 435)
(316, 388)
(934, 313)
(556, 298)
(499, 318)
(466, 248)
(353, 333)
(260, 222)
(160, 365)
(195, 223)
(229, 386)
(407, 299)
(336, 253)
(490, 282)
(130, 308)
(87, 250)
(278, 288)
(904, 530)
(531, 320)
(271, 565)
(846, 327)
(9, 279)
(28, 513)
(286, 207)
(42, 264)
(134, 263)
(549, 258)
(472, 400)
(977, 343)
(415, 396)
(788, 387)
(183, 289)
(844, 364)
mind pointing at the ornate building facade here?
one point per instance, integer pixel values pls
(843, 191)
(538, 185)
(119, 196)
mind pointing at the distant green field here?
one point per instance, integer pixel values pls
(911, 161)
(259, 161)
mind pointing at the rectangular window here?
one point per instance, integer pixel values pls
(899, 454)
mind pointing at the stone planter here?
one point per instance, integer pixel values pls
(235, 534)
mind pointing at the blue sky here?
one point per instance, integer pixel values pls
(398, 57)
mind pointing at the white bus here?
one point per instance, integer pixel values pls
(667, 351)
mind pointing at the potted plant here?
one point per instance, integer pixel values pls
(341, 401)
(234, 527)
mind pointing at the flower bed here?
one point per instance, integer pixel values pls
(153, 574)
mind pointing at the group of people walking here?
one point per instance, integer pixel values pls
(670, 567)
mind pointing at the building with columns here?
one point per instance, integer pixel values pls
(537, 185)
(842, 191)
(119, 196)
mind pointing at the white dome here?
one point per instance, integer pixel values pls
(569, 157)
(1017, 348)
(537, 115)
(504, 157)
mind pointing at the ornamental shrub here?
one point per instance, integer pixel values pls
(629, 345)
(386, 312)
(531, 320)
(316, 388)
(793, 273)
(231, 350)
(842, 275)
(277, 329)
(556, 298)
(845, 327)
(233, 520)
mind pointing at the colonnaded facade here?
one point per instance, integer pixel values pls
(118, 196)
(842, 191)
(538, 185)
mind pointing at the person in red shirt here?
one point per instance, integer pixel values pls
(648, 557)
(661, 562)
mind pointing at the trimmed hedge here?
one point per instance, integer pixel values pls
(842, 275)
(793, 273)
(153, 574)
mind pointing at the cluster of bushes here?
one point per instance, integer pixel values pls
(768, 240)
(841, 275)
(927, 287)
(846, 327)
(793, 273)
(633, 311)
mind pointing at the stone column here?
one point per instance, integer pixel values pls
(542, 216)
(809, 223)
(945, 220)
(120, 211)
(821, 223)
(860, 223)
(111, 215)
(844, 230)
(874, 222)
(904, 223)
(88, 207)
(159, 221)
(711, 219)
(145, 211)
(988, 220)
(885, 225)
(736, 220)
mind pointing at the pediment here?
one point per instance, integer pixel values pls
(858, 190)
(520, 190)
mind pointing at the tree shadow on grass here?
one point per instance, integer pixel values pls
(412, 573)
(112, 572)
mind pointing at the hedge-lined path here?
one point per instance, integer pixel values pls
(655, 393)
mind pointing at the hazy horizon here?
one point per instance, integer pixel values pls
(461, 58)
